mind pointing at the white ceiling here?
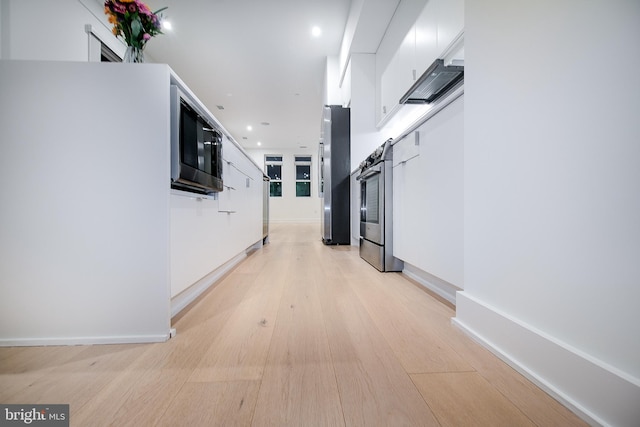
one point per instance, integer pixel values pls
(257, 59)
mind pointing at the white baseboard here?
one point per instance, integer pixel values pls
(597, 392)
(440, 287)
(296, 221)
(186, 297)
(118, 339)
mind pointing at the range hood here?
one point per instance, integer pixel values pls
(434, 83)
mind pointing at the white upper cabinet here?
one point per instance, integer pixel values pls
(450, 21)
(426, 29)
(399, 75)
(434, 30)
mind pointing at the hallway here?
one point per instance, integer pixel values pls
(299, 334)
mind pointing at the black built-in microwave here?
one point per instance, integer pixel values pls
(196, 147)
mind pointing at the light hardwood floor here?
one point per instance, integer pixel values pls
(299, 334)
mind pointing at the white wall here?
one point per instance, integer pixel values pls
(552, 196)
(55, 32)
(84, 216)
(290, 208)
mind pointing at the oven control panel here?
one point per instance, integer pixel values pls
(381, 153)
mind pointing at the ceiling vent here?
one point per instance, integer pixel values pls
(434, 83)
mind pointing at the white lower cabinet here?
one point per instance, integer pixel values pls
(406, 177)
(428, 195)
(207, 232)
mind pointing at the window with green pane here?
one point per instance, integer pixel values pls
(273, 165)
(303, 176)
(275, 189)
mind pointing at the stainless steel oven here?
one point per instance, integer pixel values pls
(376, 210)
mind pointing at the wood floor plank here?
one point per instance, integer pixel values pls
(134, 402)
(152, 380)
(21, 367)
(436, 318)
(408, 334)
(299, 385)
(140, 393)
(228, 403)
(80, 377)
(239, 352)
(467, 399)
(530, 399)
(374, 388)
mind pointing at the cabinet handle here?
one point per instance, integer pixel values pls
(384, 109)
(414, 74)
(227, 212)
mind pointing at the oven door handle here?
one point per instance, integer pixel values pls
(370, 172)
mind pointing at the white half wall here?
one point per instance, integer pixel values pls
(84, 211)
(552, 195)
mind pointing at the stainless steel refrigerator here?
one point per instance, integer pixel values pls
(335, 162)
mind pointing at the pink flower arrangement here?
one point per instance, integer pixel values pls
(133, 21)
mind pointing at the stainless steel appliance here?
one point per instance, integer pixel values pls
(436, 82)
(196, 146)
(335, 162)
(376, 210)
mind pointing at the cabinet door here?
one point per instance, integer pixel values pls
(407, 59)
(400, 228)
(408, 209)
(399, 75)
(405, 179)
(450, 21)
(427, 36)
(406, 149)
(387, 88)
(227, 198)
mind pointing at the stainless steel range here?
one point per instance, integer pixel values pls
(376, 210)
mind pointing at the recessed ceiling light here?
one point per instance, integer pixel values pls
(166, 25)
(249, 128)
(316, 31)
(259, 143)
